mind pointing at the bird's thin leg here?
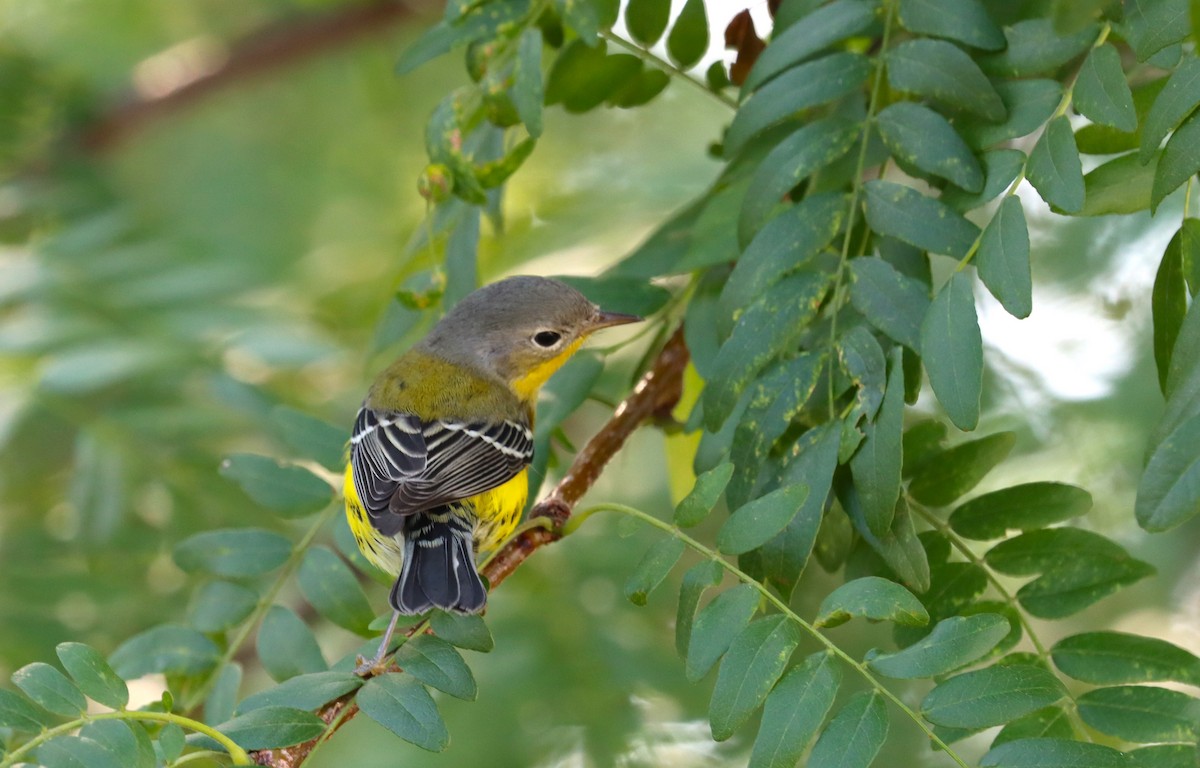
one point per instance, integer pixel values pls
(366, 667)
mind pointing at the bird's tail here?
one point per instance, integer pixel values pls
(439, 565)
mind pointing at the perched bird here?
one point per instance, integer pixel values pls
(441, 445)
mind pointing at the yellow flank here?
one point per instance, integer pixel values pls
(528, 385)
(497, 511)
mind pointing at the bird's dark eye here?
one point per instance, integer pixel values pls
(546, 338)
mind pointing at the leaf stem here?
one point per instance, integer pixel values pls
(264, 604)
(784, 609)
(956, 541)
(658, 61)
(236, 753)
(856, 191)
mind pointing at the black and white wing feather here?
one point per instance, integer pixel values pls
(403, 465)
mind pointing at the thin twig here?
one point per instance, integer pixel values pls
(654, 397)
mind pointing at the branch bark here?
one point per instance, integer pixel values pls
(654, 397)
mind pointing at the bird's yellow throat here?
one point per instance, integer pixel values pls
(526, 387)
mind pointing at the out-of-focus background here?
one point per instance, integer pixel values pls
(169, 276)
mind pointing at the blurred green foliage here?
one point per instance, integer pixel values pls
(166, 290)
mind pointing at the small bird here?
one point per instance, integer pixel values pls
(441, 445)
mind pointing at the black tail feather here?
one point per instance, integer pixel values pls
(439, 565)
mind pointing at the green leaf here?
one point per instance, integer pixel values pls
(953, 472)
(1169, 491)
(753, 524)
(583, 77)
(646, 20)
(18, 713)
(1141, 713)
(170, 742)
(329, 585)
(76, 752)
(445, 36)
(653, 568)
(942, 72)
(1168, 304)
(233, 552)
(704, 495)
(1035, 47)
(1191, 254)
(786, 242)
(861, 357)
(221, 701)
(952, 349)
(854, 735)
(892, 302)
(1174, 103)
(991, 696)
(461, 255)
(715, 627)
(614, 293)
(581, 16)
(900, 549)
(50, 689)
(874, 598)
(965, 21)
(464, 631)
(699, 578)
(128, 742)
(876, 464)
(768, 327)
(688, 41)
(1180, 161)
(1183, 379)
(290, 490)
(783, 558)
(529, 89)
(273, 726)
(1003, 259)
(1054, 169)
(286, 646)
(1051, 722)
(922, 442)
(220, 605)
(794, 711)
(814, 146)
(311, 437)
(1000, 168)
(821, 29)
(93, 675)
(714, 238)
(1053, 753)
(1163, 756)
(167, 648)
(436, 663)
(1121, 185)
(641, 89)
(953, 643)
(1108, 658)
(308, 691)
(1022, 507)
(754, 662)
(1151, 25)
(1101, 92)
(403, 706)
(816, 82)
(1039, 551)
(909, 216)
(920, 138)
(1030, 103)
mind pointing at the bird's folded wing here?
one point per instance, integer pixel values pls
(404, 465)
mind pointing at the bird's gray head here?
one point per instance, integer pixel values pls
(520, 329)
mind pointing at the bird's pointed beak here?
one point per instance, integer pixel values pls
(604, 319)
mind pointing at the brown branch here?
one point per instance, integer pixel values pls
(273, 47)
(654, 397)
